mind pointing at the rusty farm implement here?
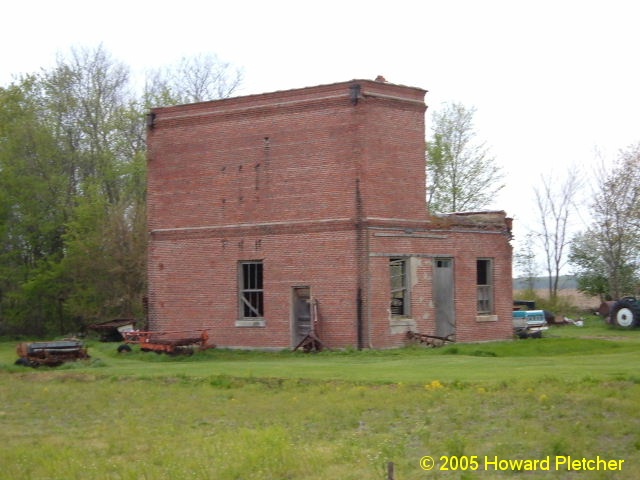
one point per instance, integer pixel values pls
(169, 342)
(53, 353)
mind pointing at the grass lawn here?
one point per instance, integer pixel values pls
(254, 415)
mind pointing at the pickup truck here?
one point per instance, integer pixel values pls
(529, 323)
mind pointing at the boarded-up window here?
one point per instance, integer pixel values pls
(251, 290)
(484, 273)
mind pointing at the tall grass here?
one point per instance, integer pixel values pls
(92, 427)
(255, 415)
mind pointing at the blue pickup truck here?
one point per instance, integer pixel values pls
(529, 323)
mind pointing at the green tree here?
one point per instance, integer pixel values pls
(105, 236)
(73, 188)
(589, 266)
(461, 175)
(105, 258)
(67, 135)
(88, 102)
(33, 212)
(608, 251)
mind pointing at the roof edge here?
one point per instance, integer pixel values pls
(367, 86)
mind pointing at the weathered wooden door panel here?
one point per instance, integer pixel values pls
(301, 313)
(443, 290)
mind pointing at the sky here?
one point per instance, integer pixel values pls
(555, 83)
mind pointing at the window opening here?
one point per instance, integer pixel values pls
(399, 290)
(443, 263)
(484, 284)
(251, 290)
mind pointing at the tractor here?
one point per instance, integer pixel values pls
(625, 313)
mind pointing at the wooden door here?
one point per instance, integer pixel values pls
(443, 289)
(301, 313)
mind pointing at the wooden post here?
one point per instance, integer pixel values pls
(390, 471)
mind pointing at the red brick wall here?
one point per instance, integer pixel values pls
(195, 285)
(301, 180)
(229, 162)
(465, 248)
(234, 164)
(394, 160)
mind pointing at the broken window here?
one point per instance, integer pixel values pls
(399, 286)
(484, 282)
(251, 291)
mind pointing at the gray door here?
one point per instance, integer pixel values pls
(443, 296)
(301, 313)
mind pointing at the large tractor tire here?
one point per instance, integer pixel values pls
(626, 313)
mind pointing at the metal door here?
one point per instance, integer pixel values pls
(443, 296)
(301, 313)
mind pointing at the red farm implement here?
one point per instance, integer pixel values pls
(170, 342)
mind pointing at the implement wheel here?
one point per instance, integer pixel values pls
(23, 362)
(626, 313)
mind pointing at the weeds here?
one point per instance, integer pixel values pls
(224, 427)
(283, 415)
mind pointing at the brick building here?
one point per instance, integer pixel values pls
(268, 210)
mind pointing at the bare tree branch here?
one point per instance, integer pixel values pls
(556, 204)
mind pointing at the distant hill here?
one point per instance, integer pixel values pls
(567, 282)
